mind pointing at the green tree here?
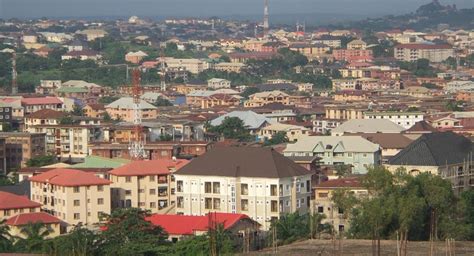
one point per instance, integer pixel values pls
(6, 244)
(232, 128)
(35, 235)
(79, 242)
(77, 110)
(5, 180)
(40, 161)
(291, 227)
(278, 138)
(162, 102)
(107, 117)
(249, 91)
(342, 170)
(66, 120)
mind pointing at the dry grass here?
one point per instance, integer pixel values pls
(364, 247)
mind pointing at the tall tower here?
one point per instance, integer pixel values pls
(14, 75)
(266, 25)
(137, 142)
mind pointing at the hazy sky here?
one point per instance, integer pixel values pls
(222, 8)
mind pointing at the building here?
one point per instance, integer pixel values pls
(367, 126)
(135, 57)
(243, 57)
(253, 122)
(42, 117)
(357, 45)
(432, 52)
(220, 100)
(12, 205)
(94, 110)
(229, 67)
(73, 196)
(323, 203)
(20, 221)
(390, 143)
(404, 119)
(217, 83)
(194, 66)
(92, 34)
(325, 126)
(292, 132)
(346, 112)
(6, 115)
(258, 182)
(123, 109)
(31, 105)
(82, 55)
(148, 185)
(311, 51)
(352, 55)
(353, 151)
(47, 87)
(260, 99)
(351, 95)
(21, 147)
(441, 153)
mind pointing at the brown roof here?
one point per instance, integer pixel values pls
(388, 140)
(96, 106)
(243, 162)
(421, 127)
(47, 114)
(341, 183)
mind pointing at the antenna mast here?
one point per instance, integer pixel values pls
(137, 142)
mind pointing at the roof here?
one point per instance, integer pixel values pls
(424, 46)
(149, 167)
(284, 127)
(96, 106)
(435, 149)
(187, 225)
(127, 103)
(323, 143)
(368, 126)
(243, 162)
(137, 54)
(101, 162)
(12, 201)
(341, 183)
(79, 83)
(269, 94)
(41, 101)
(72, 90)
(69, 178)
(47, 114)
(278, 87)
(82, 53)
(388, 140)
(251, 119)
(421, 127)
(32, 217)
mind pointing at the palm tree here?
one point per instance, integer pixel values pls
(5, 237)
(35, 234)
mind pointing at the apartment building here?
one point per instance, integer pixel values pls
(123, 109)
(367, 126)
(42, 117)
(346, 112)
(325, 126)
(311, 51)
(354, 151)
(147, 184)
(352, 55)
(21, 147)
(323, 203)
(292, 132)
(73, 196)
(404, 119)
(258, 182)
(32, 105)
(217, 83)
(229, 67)
(263, 98)
(432, 52)
(195, 66)
(357, 45)
(94, 110)
(11, 205)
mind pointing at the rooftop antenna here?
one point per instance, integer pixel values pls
(14, 75)
(137, 142)
(266, 25)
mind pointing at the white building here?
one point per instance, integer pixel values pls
(404, 119)
(217, 83)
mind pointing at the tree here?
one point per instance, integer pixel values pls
(291, 227)
(128, 233)
(232, 128)
(249, 91)
(5, 180)
(107, 117)
(66, 120)
(162, 102)
(35, 234)
(342, 170)
(79, 242)
(278, 138)
(5, 238)
(166, 137)
(77, 110)
(40, 161)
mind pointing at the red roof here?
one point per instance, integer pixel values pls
(12, 201)
(341, 183)
(47, 114)
(149, 167)
(32, 217)
(187, 225)
(69, 178)
(41, 101)
(424, 46)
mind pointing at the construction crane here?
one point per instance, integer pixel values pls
(137, 142)
(14, 75)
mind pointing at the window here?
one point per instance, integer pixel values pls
(320, 209)
(244, 189)
(208, 203)
(273, 190)
(141, 204)
(128, 179)
(180, 201)
(100, 188)
(77, 216)
(217, 204)
(274, 206)
(128, 192)
(152, 191)
(207, 187)
(152, 205)
(77, 203)
(100, 201)
(244, 204)
(308, 186)
(6, 212)
(340, 210)
(216, 188)
(298, 203)
(152, 178)
(322, 195)
(141, 190)
(162, 191)
(76, 189)
(179, 186)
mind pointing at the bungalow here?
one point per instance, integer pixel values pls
(82, 55)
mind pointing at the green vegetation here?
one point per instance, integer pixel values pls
(278, 138)
(40, 161)
(420, 68)
(6, 181)
(231, 128)
(162, 102)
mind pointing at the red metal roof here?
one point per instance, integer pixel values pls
(341, 183)
(12, 201)
(47, 114)
(33, 217)
(69, 178)
(187, 225)
(149, 167)
(41, 101)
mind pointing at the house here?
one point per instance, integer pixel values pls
(194, 66)
(34, 104)
(47, 87)
(243, 57)
(351, 95)
(323, 203)
(73, 196)
(325, 125)
(135, 57)
(357, 44)
(367, 126)
(12, 205)
(217, 83)
(20, 221)
(42, 117)
(123, 109)
(354, 151)
(82, 55)
(263, 98)
(180, 227)
(92, 34)
(441, 153)
(219, 100)
(43, 51)
(145, 184)
(390, 143)
(416, 51)
(311, 51)
(94, 110)
(228, 67)
(418, 129)
(404, 119)
(258, 182)
(252, 121)
(292, 132)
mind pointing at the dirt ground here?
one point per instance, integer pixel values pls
(364, 247)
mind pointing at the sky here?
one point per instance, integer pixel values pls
(206, 8)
